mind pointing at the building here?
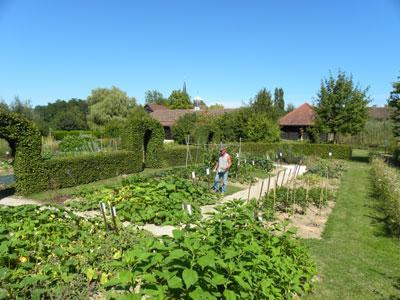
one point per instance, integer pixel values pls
(294, 124)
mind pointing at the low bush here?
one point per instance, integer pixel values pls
(330, 168)
(70, 171)
(386, 184)
(61, 134)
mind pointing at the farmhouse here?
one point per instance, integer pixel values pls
(294, 125)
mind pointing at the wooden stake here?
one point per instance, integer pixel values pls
(262, 186)
(103, 212)
(248, 196)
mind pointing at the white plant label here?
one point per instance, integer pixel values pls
(330, 154)
(189, 209)
(237, 155)
(113, 211)
(280, 154)
(103, 208)
(253, 163)
(193, 175)
(207, 171)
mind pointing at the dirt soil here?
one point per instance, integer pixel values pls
(311, 224)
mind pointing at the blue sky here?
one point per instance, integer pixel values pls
(224, 50)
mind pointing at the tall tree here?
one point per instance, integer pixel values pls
(394, 103)
(279, 101)
(107, 105)
(22, 107)
(179, 100)
(155, 96)
(341, 107)
(289, 107)
(263, 103)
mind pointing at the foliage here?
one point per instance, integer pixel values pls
(394, 103)
(290, 107)
(107, 105)
(82, 143)
(150, 200)
(145, 136)
(62, 115)
(50, 253)
(25, 142)
(179, 100)
(375, 133)
(70, 171)
(61, 134)
(216, 106)
(175, 155)
(298, 150)
(331, 168)
(155, 96)
(386, 184)
(260, 128)
(341, 107)
(184, 127)
(229, 256)
(263, 103)
(279, 101)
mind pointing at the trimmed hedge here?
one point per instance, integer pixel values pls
(25, 142)
(297, 149)
(145, 136)
(176, 155)
(74, 170)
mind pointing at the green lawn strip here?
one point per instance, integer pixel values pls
(354, 259)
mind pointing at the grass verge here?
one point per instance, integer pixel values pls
(355, 259)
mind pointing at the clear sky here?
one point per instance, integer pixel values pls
(224, 50)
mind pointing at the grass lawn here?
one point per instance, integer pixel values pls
(355, 260)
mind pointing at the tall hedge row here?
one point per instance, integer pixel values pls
(74, 170)
(145, 136)
(320, 150)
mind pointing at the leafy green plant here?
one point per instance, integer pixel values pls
(229, 256)
(325, 167)
(79, 143)
(150, 200)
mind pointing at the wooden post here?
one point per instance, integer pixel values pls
(103, 212)
(262, 186)
(187, 149)
(269, 182)
(248, 196)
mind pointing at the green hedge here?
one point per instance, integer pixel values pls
(145, 136)
(289, 149)
(176, 155)
(61, 134)
(396, 156)
(74, 170)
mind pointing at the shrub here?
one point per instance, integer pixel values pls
(386, 184)
(175, 155)
(61, 134)
(71, 171)
(325, 167)
(72, 143)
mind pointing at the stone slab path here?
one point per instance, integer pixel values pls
(286, 173)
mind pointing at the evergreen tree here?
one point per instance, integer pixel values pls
(279, 102)
(341, 107)
(394, 103)
(155, 96)
(263, 103)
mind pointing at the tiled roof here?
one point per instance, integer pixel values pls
(168, 117)
(302, 116)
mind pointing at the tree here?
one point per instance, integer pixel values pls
(23, 108)
(263, 102)
(261, 127)
(155, 96)
(341, 107)
(394, 103)
(289, 107)
(106, 105)
(216, 106)
(72, 119)
(279, 101)
(179, 100)
(184, 126)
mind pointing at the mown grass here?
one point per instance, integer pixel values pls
(355, 259)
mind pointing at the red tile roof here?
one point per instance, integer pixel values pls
(302, 116)
(154, 107)
(379, 113)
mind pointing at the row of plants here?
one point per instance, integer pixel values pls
(386, 186)
(149, 200)
(52, 253)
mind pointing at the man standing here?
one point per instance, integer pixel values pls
(222, 168)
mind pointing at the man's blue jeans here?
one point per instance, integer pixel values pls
(218, 176)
